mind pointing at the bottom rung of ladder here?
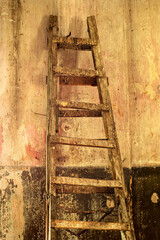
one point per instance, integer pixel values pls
(87, 182)
(90, 225)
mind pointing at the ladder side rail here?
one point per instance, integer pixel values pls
(52, 86)
(102, 84)
(110, 129)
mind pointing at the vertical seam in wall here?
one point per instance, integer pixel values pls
(15, 8)
(130, 71)
(15, 14)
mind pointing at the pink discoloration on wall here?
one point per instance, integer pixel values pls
(36, 147)
(1, 138)
(32, 153)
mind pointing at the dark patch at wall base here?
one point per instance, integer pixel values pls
(146, 203)
(33, 181)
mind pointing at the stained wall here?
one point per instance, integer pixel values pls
(144, 83)
(129, 35)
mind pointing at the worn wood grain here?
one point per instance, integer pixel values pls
(79, 113)
(52, 88)
(74, 43)
(65, 71)
(90, 225)
(80, 105)
(86, 182)
(81, 142)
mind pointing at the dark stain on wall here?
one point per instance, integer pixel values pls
(33, 181)
(7, 190)
(82, 205)
(146, 204)
(15, 7)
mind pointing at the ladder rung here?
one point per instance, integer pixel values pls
(79, 113)
(87, 182)
(90, 225)
(64, 71)
(82, 142)
(74, 43)
(65, 80)
(81, 105)
(69, 189)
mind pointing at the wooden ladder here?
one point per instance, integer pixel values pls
(57, 108)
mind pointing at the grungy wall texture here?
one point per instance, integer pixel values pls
(24, 70)
(144, 84)
(130, 41)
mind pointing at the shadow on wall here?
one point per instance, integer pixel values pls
(39, 53)
(39, 44)
(67, 57)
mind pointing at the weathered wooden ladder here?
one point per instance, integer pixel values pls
(57, 108)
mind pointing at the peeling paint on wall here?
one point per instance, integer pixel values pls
(11, 206)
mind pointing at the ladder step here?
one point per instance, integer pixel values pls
(73, 189)
(80, 105)
(87, 182)
(90, 225)
(65, 80)
(78, 72)
(79, 113)
(82, 142)
(74, 43)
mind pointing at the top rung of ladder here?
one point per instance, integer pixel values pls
(74, 43)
